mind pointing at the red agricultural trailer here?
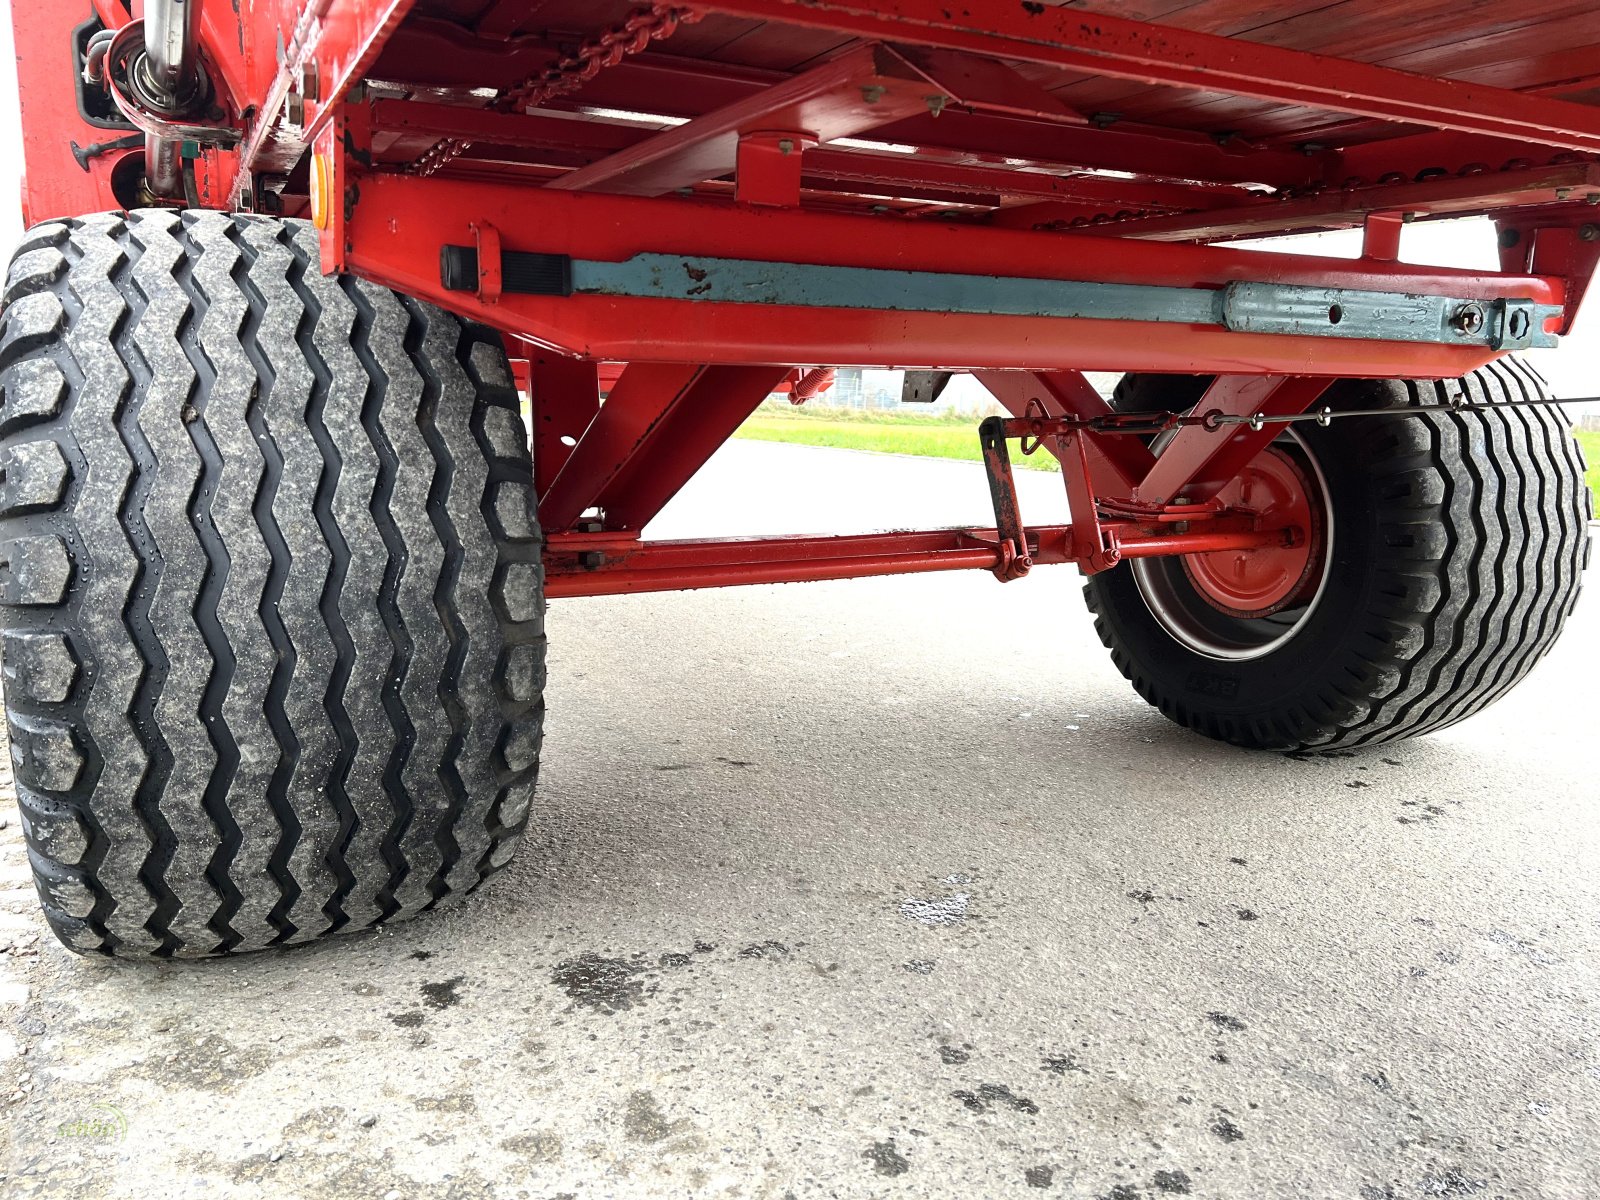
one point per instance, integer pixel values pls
(274, 551)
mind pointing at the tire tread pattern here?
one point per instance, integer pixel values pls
(269, 588)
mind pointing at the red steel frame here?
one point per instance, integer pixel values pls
(751, 167)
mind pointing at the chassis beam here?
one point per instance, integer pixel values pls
(397, 228)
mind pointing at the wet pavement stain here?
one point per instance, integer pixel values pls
(410, 1019)
(421, 955)
(443, 994)
(1224, 1021)
(606, 985)
(993, 1095)
(673, 959)
(1039, 1177)
(1246, 914)
(954, 1055)
(1227, 1130)
(1062, 1064)
(643, 1120)
(920, 966)
(1238, 862)
(1172, 1183)
(886, 1159)
(768, 949)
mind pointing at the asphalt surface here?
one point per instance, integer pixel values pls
(888, 888)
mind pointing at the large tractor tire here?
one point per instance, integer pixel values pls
(1447, 556)
(270, 588)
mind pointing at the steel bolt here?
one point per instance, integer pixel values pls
(1517, 324)
(1588, 233)
(1509, 238)
(591, 560)
(310, 88)
(873, 93)
(1469, 318)
(295, 109)
(785, 145)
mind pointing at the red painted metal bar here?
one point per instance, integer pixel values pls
(1446, 197)
(678, 444)
(629, 566)
(565, 396)
(645, 392)
(565, 142)
(398, 225)
(1157, 54)
(1198, 462)
(1116, 463)
(1380, 236)
(857, 91)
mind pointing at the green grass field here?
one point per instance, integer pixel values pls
(888, 432)
(1590, 441)
(936, 436)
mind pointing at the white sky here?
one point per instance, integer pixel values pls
(1573, 369)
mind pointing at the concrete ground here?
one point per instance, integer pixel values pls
(888, 888)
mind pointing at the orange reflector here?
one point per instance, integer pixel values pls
(321, 169)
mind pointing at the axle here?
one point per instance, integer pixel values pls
(584, 564)
(168, 77)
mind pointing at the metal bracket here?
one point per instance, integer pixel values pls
(1504, 324)
(924, 387)
(490, 279)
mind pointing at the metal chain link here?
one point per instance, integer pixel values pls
(646, 24)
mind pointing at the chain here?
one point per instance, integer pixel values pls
(646, 24)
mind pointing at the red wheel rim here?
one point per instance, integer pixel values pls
(1258, 583)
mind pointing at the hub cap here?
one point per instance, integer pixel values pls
(1243, 604)
(1258, 583)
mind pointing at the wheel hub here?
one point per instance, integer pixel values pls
(1258, 583)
